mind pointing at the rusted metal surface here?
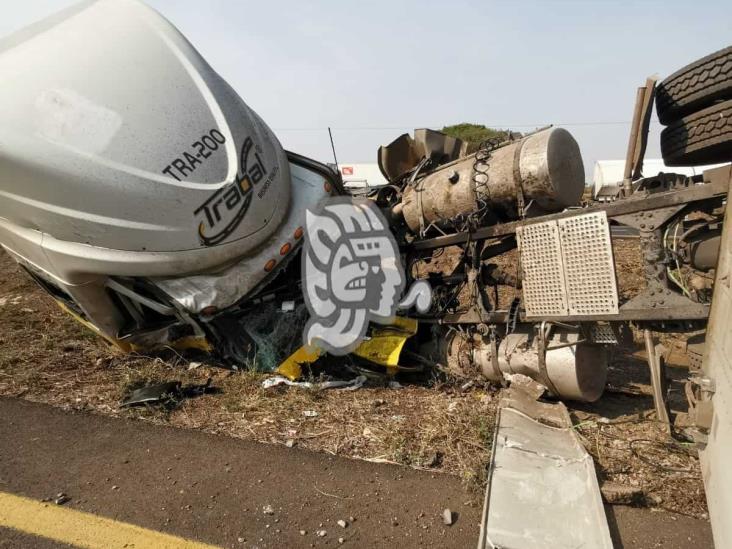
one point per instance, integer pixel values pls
(404, 153)
(632, 140)
(547, 169)
(559, 357)
(639, 133)
(649, 94)
(398, 157)
(672, 311)
(441, 195)
(715, 186)
(657, 368)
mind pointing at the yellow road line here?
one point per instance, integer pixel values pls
(83, 529)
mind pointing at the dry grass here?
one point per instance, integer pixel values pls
(47, 357)
(628, 267)
(634, 451)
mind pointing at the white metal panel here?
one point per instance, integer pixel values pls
(542, 487)
(715, 458)
(543, 285)
(567, 267)
(589, 268)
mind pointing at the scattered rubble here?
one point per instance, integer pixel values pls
(168, 392)
(619, 494)
(61, 498)
(346, 385)
(153, 394)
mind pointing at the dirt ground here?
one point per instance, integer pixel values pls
(45, 356)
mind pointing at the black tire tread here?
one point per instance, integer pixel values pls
(695, 86)
(704, 137)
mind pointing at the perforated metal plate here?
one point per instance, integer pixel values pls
(602, 333)
(589, 270)
(568, 267)
(541, 262)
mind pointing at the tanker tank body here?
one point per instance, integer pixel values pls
(135, 185)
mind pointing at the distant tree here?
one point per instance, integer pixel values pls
(475, 134)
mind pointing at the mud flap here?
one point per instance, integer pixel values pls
(542, 489)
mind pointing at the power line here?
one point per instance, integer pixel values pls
(382, 128)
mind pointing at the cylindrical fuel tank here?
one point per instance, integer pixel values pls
(576, 370)
(546, 167)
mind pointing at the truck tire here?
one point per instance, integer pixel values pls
(704, 137)
(696, 86)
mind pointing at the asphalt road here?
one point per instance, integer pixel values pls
(216, 489)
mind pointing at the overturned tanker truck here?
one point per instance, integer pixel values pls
(158, 209)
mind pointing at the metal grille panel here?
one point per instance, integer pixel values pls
(589, 269)
(568, 267)
(541, 262)
(603, 333)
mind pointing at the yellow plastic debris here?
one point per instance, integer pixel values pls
(387, 341)
(290, 367)
(383, 347)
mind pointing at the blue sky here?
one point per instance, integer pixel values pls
(373, 70)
